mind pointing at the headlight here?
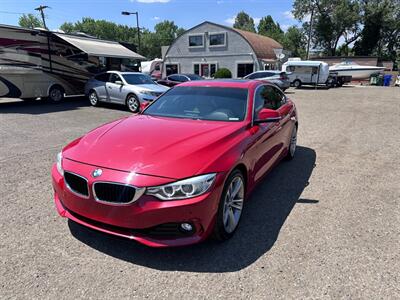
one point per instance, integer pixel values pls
(146, 92)
(59, 164)
(183, 189)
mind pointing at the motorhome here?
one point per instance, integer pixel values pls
(306, 72)
(152, 67)
(39, 63)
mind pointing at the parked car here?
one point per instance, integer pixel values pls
(180, 170)
(135, 90)
(175, 79)
(277, 77)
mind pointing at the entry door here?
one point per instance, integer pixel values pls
(205, 70)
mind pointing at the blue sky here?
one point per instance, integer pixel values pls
(185, 13)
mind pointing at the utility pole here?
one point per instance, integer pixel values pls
(310, 32)
(41, 8)
(127, 13)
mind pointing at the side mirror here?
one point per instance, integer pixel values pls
(119, 82)
(267, 116)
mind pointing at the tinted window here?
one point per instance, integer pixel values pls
(195, 40)
(174, 78)
(138, 79)
(257, 75)
(182, 78)
(244, 69)
(217, 39)
(102, 77)
(114, 77)
(268, 97)
(194, 77)
(204, 103)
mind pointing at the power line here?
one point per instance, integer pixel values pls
(11, 12)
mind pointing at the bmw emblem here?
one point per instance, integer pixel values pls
(97, 173)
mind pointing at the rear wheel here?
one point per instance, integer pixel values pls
(230, 206)
(292, 144)
(56, 94)
(133, 103)
(93, 98)
(297, 83)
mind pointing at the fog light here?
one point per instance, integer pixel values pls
(187, 226)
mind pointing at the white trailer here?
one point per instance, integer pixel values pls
(306, 72)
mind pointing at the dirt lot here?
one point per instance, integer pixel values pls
(326, 225)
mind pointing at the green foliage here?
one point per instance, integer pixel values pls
(30, 21)
(271, 29)
(333, 19)
(295, 41)
(151, 42)
(223, 73)
(244, 21)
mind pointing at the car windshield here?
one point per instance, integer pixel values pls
(201, 103)
(194, 77)
(138, 79)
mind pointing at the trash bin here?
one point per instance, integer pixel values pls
(380, 80)
(374, 79)
(387, 79)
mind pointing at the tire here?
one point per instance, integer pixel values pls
(93, 98)
(133, 103)
(292, 144)
(56, 94)
(228, 216)
(297, 83)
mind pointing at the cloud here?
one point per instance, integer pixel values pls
(151, 1)
(155, 18)
(285, 27)
(256, 21)
(288, 15)
(230, 21)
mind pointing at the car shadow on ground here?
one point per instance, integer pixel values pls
(262, 219)
(39, 107)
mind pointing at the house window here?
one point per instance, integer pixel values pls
(244, 69)
(217, 39)
(196, 40)
(171, 69)
(205, 70)
(196, 69)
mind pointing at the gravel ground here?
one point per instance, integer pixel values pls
(325, 225)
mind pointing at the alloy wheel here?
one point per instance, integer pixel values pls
(233, 204)
(133, 104)
(56, 94)
(93, 98)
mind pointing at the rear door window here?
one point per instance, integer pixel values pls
(102, 77)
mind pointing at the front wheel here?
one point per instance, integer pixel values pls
(230, 206)
(292, 144)
(133, 103)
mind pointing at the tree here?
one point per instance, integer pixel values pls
(333, 20)
(271, 29)
(30, 21)
(381, 29)
(244, 21)
(295, 41)
(151, 42)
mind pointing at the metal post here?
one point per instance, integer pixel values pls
(310, 32)
(138, 29)
(41, 8)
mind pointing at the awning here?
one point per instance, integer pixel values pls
(97, 47)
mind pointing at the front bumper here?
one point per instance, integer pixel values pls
(138, 220)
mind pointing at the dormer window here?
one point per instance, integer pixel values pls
(196, 40)
(217, 39)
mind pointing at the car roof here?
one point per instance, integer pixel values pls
(232, 83)
(123, 73)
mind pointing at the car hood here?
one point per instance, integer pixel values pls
(150, 87)
(166, 147)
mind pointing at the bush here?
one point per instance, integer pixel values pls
(223, 73)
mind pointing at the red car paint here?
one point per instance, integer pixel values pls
(145, 151)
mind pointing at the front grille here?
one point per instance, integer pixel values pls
(76, 184)
(114, 193)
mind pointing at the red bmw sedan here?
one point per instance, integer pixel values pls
(182, 169)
